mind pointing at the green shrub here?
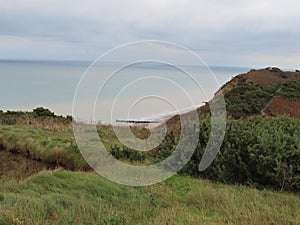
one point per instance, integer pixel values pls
(8, 120)
(264, 153)
(291, 90)
(42, 112)
(247, 99)
(164, 149)
(127, 153)
(275, 70)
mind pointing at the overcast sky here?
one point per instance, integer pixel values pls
(250, 33)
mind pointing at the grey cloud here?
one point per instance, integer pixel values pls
(85, 28)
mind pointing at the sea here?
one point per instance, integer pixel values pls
(109, 91)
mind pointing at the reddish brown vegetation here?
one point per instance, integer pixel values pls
(265, 78)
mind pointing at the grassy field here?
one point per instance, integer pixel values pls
(75, 195)
(64, 197)
(56, 147)
(49, 146)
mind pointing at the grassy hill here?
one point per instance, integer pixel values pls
(64, 197)
(263, 152)
(44, 179)
(264, 92)
(267, 92)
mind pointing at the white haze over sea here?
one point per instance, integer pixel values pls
(139, 91)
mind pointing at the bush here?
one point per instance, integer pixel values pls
(264, 153)
(70, 118)
(275, 70)
(8, 120)
(247, 99)
(164, 149)
(291, 90)
(41, 112)
(127, 153)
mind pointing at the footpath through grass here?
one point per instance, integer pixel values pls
(64, 197)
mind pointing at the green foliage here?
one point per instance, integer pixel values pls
(291, 90)
(64, 197)
(52, 147)
(70, 118)
(275, 70)
(247, 99)
(39, 117)
(127, 153)
(264, 153)
(167, 146)
(10, 117)
(8, 120)
(42, 112)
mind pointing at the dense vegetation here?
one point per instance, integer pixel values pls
(251, 94)
(263, 152)
(290, 90)
(39, 117)
(247, 99)
(127, 153)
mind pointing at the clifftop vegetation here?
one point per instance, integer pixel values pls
(267, 92)
(261, 149)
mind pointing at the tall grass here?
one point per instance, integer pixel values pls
(62, 197)
(56, 148)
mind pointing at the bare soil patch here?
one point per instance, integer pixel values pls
(264, 77)
(14, 166)
(281, 106)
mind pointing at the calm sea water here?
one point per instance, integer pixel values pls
(137, 91)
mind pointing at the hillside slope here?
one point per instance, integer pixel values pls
(266, 92)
